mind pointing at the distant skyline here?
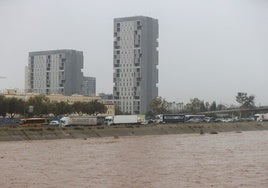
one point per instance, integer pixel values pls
(207, 49)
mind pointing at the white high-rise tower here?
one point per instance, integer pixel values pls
(135, 63)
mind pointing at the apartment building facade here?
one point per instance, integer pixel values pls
(89, 86)
(55, 72)
(135, 63)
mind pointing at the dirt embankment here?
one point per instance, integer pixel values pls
(48, 132)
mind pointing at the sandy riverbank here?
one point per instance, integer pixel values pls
(48, 132)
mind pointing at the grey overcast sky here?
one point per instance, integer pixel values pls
(210, 49)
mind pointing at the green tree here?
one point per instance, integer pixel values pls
(221, 107)
(78, 107)
(188, 108)
(213, 106)
(11, 106)
(3, 106)
(207, 106)
(96, 108)
(159, 106)
(203, 107)
(40, 104)
(92, 108)
(60, 108)
(244, 100)
(195, 105)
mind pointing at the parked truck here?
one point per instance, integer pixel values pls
(124, 119)
(78, 120)
(261, 117)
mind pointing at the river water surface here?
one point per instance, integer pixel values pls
(185, 160)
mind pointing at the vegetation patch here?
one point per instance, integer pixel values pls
(35, 129)
(213, 132)
(50, 129)
(79, 128)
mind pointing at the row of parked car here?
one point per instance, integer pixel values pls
(224, 120)
(177, 118)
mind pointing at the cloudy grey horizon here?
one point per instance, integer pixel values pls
(207, 49)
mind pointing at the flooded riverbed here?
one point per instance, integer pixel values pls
(185, 160)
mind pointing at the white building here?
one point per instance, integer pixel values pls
(55, 72)
(135, 63)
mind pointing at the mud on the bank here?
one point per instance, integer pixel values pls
(49, 132)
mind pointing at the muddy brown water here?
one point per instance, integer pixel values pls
(186, 160)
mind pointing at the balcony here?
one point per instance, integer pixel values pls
(137, 64)
(116, 75)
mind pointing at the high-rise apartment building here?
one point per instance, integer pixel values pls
(55, 72)
(89, 86)
(135, 63)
